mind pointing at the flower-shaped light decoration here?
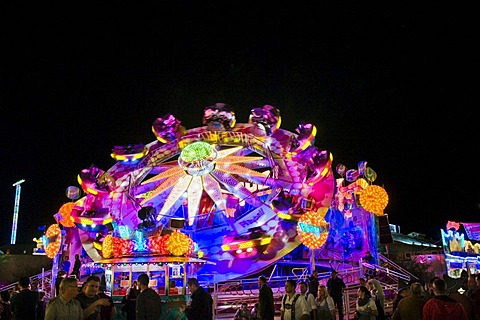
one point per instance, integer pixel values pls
(65, 210)
(122, 247)
(374, 199)
(107, 246)
(158, 244)
(200, 167)
(313, 229)
(179, 244)
(54, 236)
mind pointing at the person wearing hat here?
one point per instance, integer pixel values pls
(336, 287)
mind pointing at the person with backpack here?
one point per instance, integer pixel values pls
(310, 298)
(294, 306)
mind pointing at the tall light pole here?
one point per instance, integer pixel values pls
(18, 189)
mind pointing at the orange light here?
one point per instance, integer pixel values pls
(54, 236)
(179, 243)
(374, 199)
(312, 229)
(65, 211)
(107, 246)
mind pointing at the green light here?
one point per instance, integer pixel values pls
(196, 151)
(198, 158)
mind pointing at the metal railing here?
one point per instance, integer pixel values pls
(41, 282)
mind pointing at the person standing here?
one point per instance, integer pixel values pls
(266, 306)
(42, 304)
(336, 287)
(254, 312)
(294, 306)
(65, 306)
(311, 304)
(376, 290)
(60, 276)
(89, 298)
(368, 258)
(473, 292)
(325, 305)
(202, 302)
(402, 293)
(106, 312)
(378, 296)
(76, 267)
(411, 307)
(66, 265)
(441, 306)
(365, 307)
(149, 303)
(130, 301)
(5, 307)
(25, 303)
(313, 284)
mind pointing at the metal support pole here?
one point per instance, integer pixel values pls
(18, 189)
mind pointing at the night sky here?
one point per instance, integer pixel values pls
(391, 84)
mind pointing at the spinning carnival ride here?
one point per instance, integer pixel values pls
(238, 195)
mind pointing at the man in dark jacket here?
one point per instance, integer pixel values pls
(149, 303)
(89, 298)
(336, 287)
(202, 302)
(266, 307)
(24, 304)
(313, 283)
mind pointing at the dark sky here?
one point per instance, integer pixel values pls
(391, 84)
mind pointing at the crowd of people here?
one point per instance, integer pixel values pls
(307, 299)
(313, 300)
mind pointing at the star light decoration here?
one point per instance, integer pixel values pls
(201, 168)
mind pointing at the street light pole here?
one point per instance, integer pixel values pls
(18, 189)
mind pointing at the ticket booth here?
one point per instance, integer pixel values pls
(168, 276)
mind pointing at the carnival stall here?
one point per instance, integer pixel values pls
(461, 245)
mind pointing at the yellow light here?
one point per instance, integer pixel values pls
(315, 220)
(54, 234)
(107, 247)
(178, 243)
(246, 244)
(265, 241)
(374, 199)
